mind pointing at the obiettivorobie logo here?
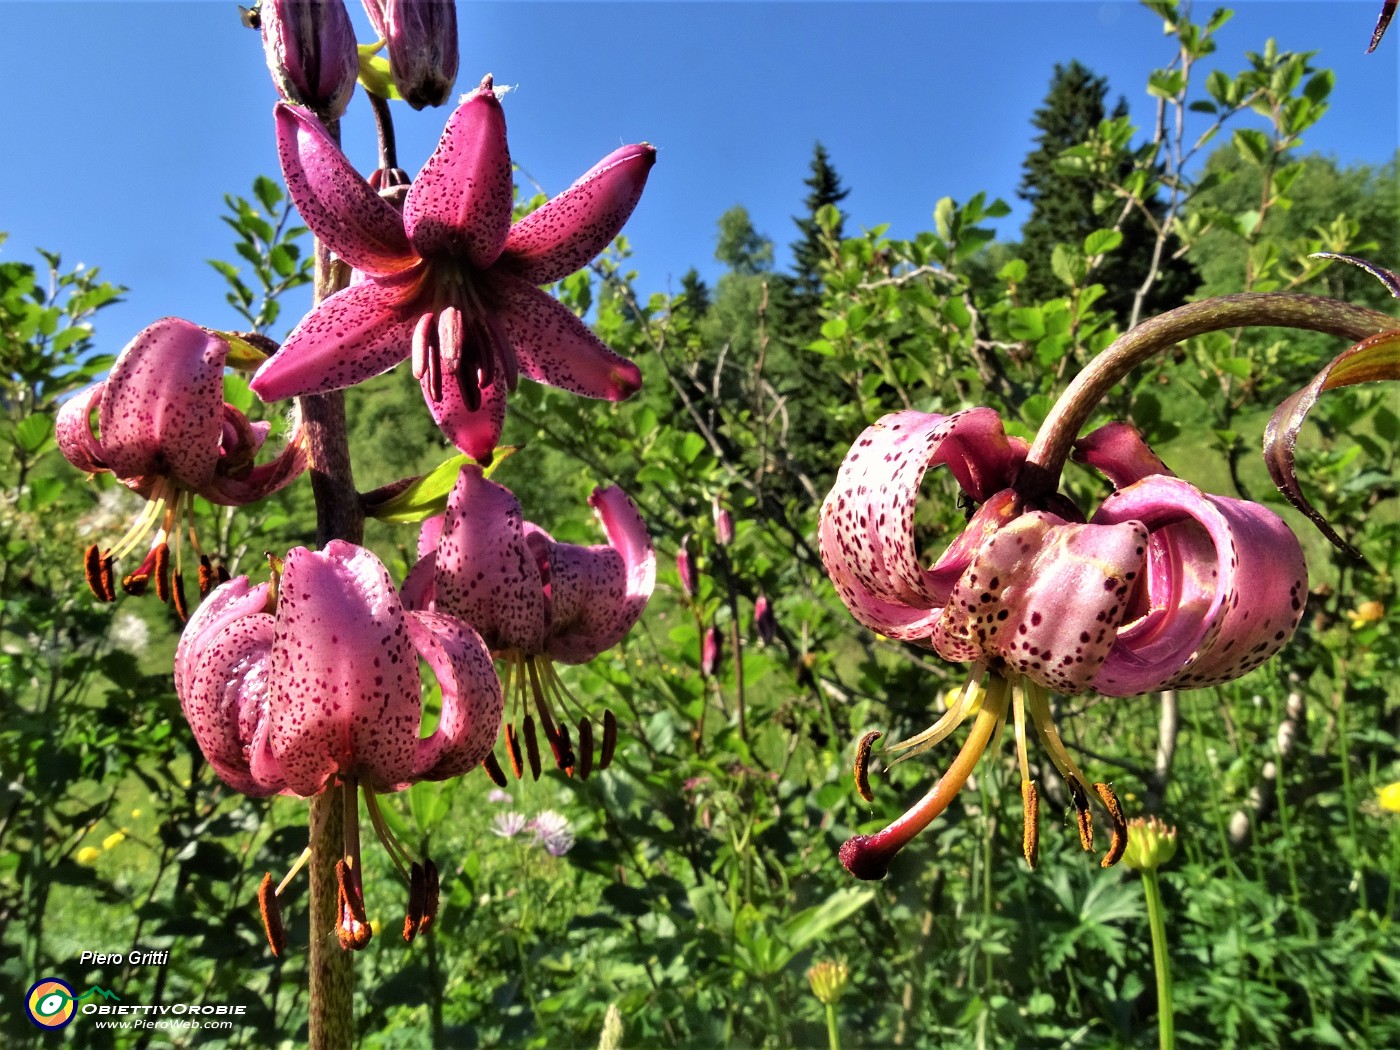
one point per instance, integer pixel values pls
(51, 1003)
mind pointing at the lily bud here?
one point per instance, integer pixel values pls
(422, 39)
(685, 567)
(763, 620)
(311, 53)
(711, 650)
(724, 524)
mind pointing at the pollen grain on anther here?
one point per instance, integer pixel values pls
(271, 913)
(1030, 821)
(862, 764)
(1119, 841)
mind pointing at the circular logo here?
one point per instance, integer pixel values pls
(50, 1003)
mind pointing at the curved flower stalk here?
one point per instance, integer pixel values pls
(451, 282)
(1165, 587)
(165, 432)
(311, 683)
(536, 601)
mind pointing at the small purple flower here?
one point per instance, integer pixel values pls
(553, 832)
(497, 795)
(508, 825)
(685, 567)
(711, 652)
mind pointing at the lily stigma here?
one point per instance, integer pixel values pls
(165, 432)
(310, 683)
(1164, 587)
(536, 601)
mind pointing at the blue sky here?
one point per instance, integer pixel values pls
(128, 121)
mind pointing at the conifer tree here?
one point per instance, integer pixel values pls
(1062, 205)
(808, 251)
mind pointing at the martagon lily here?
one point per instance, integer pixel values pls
(165, 432)
(311, 683)
(536, 601)
(450, 281)
(1164, 587)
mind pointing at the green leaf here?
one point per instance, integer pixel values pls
(943, 214)
(811, 923)
(1239, 367)
(33, 432)
(1102, 241)
(422, 497)
(268, 192)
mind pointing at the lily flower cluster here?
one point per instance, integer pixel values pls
(1163, 587)
(309, 682)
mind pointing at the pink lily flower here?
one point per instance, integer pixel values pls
(165, 432)
(312, 683)
(536, 601)
(451, 282)
(1165, 587)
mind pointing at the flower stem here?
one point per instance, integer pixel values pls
(833, 1031)
(1041, 474)
(1161, 964)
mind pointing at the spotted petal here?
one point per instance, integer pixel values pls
(1225, 587)
(599, 592)
(460, 204)
(344, 673)
(354, 335)
(567, 231)
(866, 533)
(485, 574)
(335, 201)
(73, 430)
(1045, 597)
(162, 409)
(556, 348)
(471, 696)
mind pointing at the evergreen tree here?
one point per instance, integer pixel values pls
(1062, 205)
(740, 247)
(808, 251)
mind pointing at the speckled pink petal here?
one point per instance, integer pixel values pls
(1118, 452)
(474, 432)
(554, 347)
(242, 488)
(345, 685)
(866, 533)
(598, 593)
(73, 430)
(460, 204)
(221, 679)
(485, 573)
(337, 204)
(162, 410)
(354, 335)
(1046, 597)
(1226, 585)
(471, 696)
(567, 231)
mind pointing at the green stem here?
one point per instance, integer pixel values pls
(1161, 964)
(1041, 474)
(833, 1031)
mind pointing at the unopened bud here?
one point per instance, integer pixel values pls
(311, 53)
(828, 980)
(763, 620)
(724, 524)
(710, 652)
(685, 567)
(1151, 843)
(422, 39)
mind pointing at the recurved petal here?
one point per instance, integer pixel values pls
(334, 201)
(460, 204)
(73, 430)
(471, 696)
(162, 410)
(474, 431)
(1225, 588)
(866, 533)
(238, 490)
(567, 231)
(556, 348)
(354, 335)
(1118, 452)
(1046, 597)
(345, 685)
(597, 593)
(221, 678)
(486, 575)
